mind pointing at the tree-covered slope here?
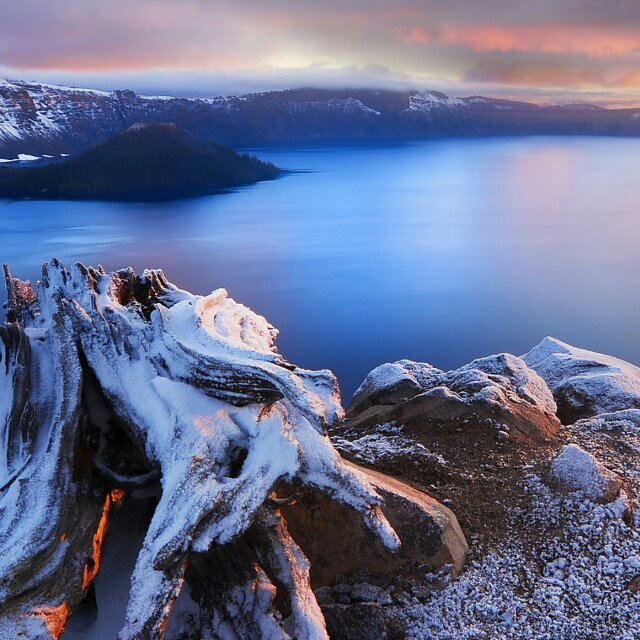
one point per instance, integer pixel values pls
(145, 162)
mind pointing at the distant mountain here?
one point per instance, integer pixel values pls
(145, 162)
(46, 119)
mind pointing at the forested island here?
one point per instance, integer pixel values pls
(145, 162)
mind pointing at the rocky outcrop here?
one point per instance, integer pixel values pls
(118, 378)
(585, 383)
(549, 523)
(500, 388)
(429, 533)
(355, 577)
(575, 470)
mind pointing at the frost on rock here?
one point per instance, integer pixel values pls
(384, 442)
(394, 382)
(576, 470)
(500, 387)
(572, 579)
(627, 420)
(205, 403)
(585, 383)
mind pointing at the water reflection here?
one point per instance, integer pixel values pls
(441, 251)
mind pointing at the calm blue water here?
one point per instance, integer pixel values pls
(439, 251)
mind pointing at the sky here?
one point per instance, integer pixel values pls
(549, 51)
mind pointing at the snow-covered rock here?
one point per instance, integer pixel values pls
(394, 382)
(426, 101)
(627, 420)
(198, 388)
(576, 470)
(501, 388)
(584, 383)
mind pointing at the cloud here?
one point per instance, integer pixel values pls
(537, 73)
(172, 45)
(588, 40)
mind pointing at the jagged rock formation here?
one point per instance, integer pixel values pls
(585, 383)
(46, 119)
(112, 382)
(500, 388)
(207, 404)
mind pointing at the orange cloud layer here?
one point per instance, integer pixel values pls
(536, 73)
(592, 41)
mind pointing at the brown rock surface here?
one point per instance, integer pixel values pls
(429, 533)
(498, 388)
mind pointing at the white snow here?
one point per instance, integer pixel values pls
(426, 101)
(587, 381)
(569, 583)
(166, 378)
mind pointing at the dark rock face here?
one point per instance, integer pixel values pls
(358, 621)
(498, 388)
(39, 119)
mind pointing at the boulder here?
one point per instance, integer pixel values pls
(394, 382)
(576, 470)
(585, 383)
(500, 388)
(429, 533)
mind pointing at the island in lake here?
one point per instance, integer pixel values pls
(145, 162)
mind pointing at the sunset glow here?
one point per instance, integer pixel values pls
(550, 51)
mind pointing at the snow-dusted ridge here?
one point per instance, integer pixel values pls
(38, 118)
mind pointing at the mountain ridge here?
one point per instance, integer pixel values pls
(37, 118)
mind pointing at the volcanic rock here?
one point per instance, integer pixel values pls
(500, 388)
(574, 469)
(584, 383)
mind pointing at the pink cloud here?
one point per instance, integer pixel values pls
(586, 40)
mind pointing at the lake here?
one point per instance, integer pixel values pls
(441, 251)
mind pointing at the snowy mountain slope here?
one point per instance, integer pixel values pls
(42, 119)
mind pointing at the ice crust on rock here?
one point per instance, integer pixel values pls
(197, 382)
(585, 383)
(577, 470)
(500, 386)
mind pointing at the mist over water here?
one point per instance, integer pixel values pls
(440, 251)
